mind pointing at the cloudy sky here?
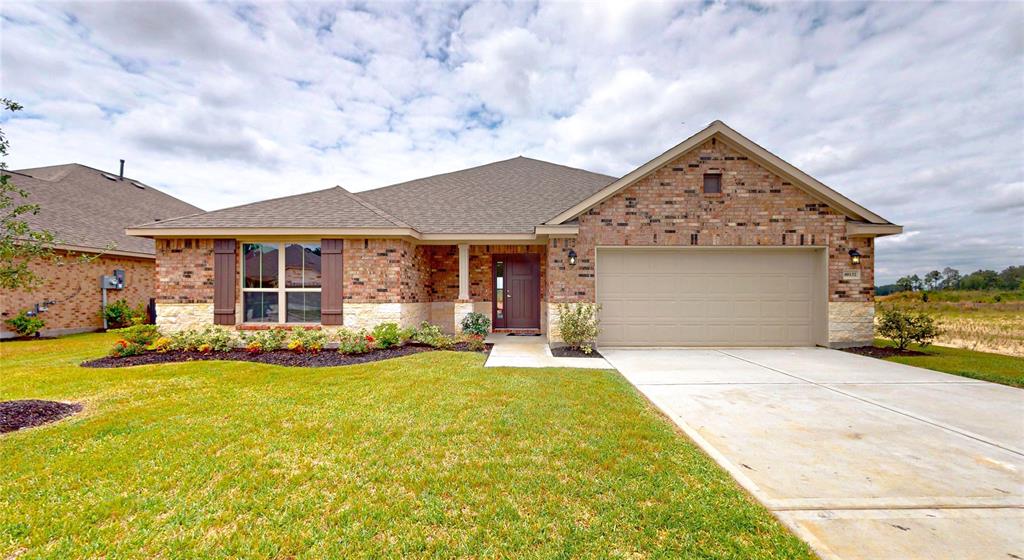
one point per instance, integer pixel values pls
(914, 110)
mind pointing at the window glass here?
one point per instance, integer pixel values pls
(499, 290)
(712, 183)
(303, 307)
(260, 307)
(302, 265)
(259, 264)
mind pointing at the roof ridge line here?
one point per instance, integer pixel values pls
(443, 174)
(373, 208)
(233, 207)
(612, 177)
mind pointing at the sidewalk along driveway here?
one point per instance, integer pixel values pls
(864, 459)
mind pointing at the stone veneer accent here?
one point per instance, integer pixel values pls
(851, 323)
(173, 317)
(669, 208)
(368, 315)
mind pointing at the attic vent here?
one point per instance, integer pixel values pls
(109, 177)
(138, 185)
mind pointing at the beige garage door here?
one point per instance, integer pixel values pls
(711, 297)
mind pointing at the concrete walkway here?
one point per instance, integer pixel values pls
(864, 459)
(532, 352)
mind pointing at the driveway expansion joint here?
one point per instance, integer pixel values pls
(827, 386)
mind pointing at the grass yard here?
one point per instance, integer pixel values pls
(998, 368)
(427, 455)
(987, 321)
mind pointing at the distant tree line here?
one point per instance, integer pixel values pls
(1011, 278)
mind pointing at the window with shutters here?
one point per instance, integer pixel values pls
(281, 282)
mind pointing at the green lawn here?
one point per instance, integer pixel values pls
(998, 368)
(423, 456)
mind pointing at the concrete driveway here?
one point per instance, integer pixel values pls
(862, 458)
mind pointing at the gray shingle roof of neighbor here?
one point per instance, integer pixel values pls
(509, 196)
(89, 208)
(329, 208)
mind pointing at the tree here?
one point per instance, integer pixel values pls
(1011, 278)
(904, 327)
(904, 284)
(915, 283)
(932, 280)
(980, 280)
(950, 278)
(19, 244)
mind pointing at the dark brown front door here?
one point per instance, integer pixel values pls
(516, 291)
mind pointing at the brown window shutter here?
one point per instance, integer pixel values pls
(332, 271)
(224, 281)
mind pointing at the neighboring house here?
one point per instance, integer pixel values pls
(714, 242)
(87, 210)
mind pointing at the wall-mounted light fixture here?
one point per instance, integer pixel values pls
(572, 257)
(854, 256)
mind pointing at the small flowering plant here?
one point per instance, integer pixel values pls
(206, 348)
(308, 340)
(474, 341)
(254, 347)
(161, 345)
(123, 348)
(355, 341)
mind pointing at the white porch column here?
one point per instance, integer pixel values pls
(464, 272)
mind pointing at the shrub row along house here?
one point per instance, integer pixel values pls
(714, 242)
(87, 210)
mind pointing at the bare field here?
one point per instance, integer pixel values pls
(982, 321)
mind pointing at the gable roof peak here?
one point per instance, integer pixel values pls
(764, 157)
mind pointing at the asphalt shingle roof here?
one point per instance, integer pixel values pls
(509, 196)
(87, 207)
(329, 208)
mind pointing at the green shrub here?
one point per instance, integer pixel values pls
(25, 324)
(139, 334)
(578, 325)
(428, 334)
(351, 341)
(308, 340)
(903, 327)
(474, 342)
(476, 323)
(207, 339)
(268, 340)
(387, 335)
(119, 314)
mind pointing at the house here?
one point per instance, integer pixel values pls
(87, 210)
(715, 242)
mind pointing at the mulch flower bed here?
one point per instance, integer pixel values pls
(567, 352)
(324, 358)
(15, 415)
(882, 351)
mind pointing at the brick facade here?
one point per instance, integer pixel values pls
(184, 270)
(75, 286)
(669, 208)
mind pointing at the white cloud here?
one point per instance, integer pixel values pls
(915, 110)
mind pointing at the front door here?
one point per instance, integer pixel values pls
(516, 291)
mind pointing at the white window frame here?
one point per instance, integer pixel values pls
(281, 290)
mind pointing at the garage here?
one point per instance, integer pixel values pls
(711, 296)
